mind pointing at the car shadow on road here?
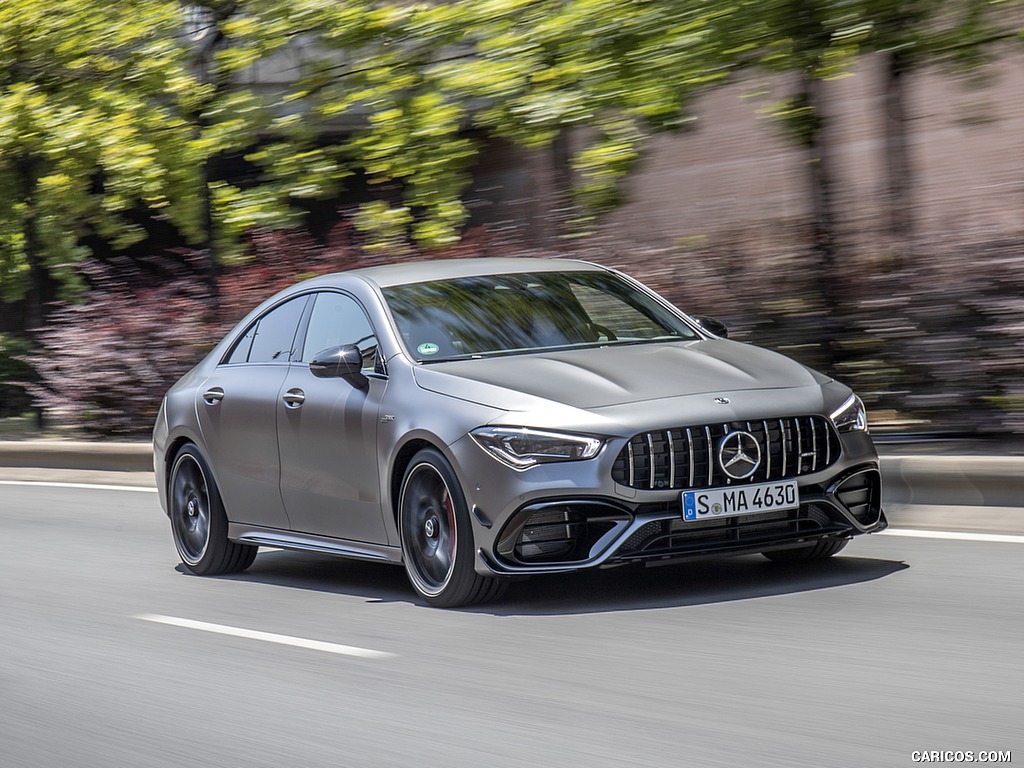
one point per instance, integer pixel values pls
(691, 583)
(375, 582)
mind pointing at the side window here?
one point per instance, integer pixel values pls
(240, 353)
(271, 338)
(337, 319)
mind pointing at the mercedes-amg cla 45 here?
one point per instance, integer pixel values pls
(481, 419)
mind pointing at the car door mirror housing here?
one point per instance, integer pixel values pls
(711, 325)
(342, 362)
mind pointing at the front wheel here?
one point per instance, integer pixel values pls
(437, 537)
(198, 522)
(819, 550)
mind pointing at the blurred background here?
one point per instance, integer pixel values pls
(840, 180)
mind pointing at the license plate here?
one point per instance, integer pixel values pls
(739, 500)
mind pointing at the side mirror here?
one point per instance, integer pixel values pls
(344, 362)
(711, 325)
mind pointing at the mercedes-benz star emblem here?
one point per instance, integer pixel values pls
(739, 455)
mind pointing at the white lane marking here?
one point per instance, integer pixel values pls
(268, 637)
(87, 486)
(1002, 538)
(974, 458)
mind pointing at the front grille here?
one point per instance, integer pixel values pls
(686, 457)
(673, 537)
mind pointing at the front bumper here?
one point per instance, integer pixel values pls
(593, 532)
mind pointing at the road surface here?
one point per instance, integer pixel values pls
(111, 656)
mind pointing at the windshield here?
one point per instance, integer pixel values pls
(508, 314)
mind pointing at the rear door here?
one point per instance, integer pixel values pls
(237, 408)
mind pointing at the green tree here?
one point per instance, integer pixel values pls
(107, 117)
(405, 88)
(92, 125)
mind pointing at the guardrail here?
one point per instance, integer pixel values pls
(77, 454)
(981, 481)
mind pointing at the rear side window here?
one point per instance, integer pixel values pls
(272, 338)
(240, 353)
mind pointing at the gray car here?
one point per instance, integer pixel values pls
(478, 420)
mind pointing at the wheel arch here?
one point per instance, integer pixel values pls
(171, 450)
(403, 458)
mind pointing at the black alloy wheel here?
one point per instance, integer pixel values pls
(437, 537)
(198, 522)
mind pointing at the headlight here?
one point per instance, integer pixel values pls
(520, 447)
(851, 416)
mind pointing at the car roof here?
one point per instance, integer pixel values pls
(443, 269)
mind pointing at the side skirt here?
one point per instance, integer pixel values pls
(307, 542)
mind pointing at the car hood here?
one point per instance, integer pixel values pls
(614, 375)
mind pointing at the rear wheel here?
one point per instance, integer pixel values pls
(437, 537)
(198, 522)
(819, 550)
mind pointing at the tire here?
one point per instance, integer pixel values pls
(198, 522)
(437, 536)
(816, 551)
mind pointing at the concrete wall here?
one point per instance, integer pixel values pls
(736, 173)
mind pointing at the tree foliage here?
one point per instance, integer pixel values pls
(109, 118)
(103, 116)
(406, 87)
(92, 125)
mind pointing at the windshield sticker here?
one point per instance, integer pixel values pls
(428, 349)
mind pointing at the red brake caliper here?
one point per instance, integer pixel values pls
(450, 509)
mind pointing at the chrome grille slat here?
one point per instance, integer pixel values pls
(711, 461)
(782, 441)
(653, 460)
(671, 460)
(632, 465)
(799, 447)
(814, 446)
(828, 450)
(689, 444)
(650, 459)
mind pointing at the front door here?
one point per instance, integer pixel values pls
(328, 441)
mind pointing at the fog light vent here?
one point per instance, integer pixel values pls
(550, 534)
(861, 494)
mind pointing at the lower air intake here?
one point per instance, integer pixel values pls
(550, 534)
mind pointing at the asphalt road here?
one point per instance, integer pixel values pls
(901, 644)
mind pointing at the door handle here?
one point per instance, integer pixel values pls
(294, 398)
(213, 395)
